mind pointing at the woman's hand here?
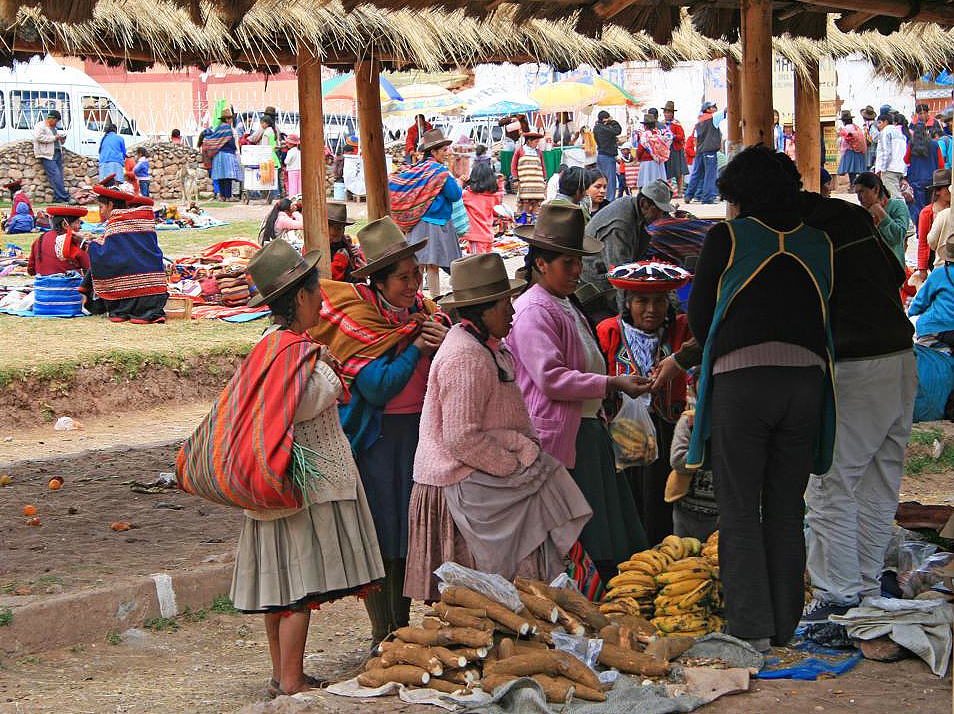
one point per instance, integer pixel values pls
(665, 372)
(430, 338)
(631, 385)
(877, 211)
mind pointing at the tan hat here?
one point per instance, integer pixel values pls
(433, 139)
(382, 244)
(670, 106)
(276, 267)
(338, 213)
(271, 111)
(941, 178)
(479, 278)
(677, 485)
(559, 227)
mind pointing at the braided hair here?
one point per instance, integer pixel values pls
(283, 307)
(477, 328)
(530, 260)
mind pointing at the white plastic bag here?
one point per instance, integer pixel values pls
(584, 649)
(496, 587)
(634, 434)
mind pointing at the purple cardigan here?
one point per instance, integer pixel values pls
(550, 362)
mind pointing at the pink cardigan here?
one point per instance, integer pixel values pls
(471, 420)
(550, 364)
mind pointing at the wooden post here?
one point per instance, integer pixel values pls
(314, 204)
(757, 122)
(808, 127)
(371, 129)
(733, 101)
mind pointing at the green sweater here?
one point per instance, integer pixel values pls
(894, 227)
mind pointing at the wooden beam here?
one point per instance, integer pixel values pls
(609, 8)
(808, 127)
(314, 209)
(371, 130)
(850, 21)
(938, 12)
(757, 122)
(733, 90)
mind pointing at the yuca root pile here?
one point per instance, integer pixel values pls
(468, 640)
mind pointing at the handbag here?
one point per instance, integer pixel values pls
(459, 218)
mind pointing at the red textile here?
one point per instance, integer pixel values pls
(410, 144)
(18, 198)
(678, 135)
(925, 221)
(44, 260)
(241, 454)
(129, 173)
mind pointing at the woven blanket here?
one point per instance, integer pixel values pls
(241, 453)
(358, 329)
(676, 239)
(214, 142)
(126, 261)
(413, 190)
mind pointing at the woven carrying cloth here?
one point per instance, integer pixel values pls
(241, 454)
(413, 190)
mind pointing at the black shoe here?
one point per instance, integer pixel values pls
(818, 611)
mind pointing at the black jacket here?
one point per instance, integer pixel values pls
(605, 134)
(708, 137)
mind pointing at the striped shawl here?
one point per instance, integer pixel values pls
(413, 190)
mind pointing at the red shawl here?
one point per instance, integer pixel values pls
(241, 454)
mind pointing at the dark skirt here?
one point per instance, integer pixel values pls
(676, 164)
(615, 531)
(649, 485)
(147, 308)
(387, 470)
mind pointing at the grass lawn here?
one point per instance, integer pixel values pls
(185, 242)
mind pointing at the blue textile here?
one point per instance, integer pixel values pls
(377, 383)
(838, 662)
(247, 316)
(127, 261)
(58, 295)
(945, 142)
(853, 162)
(607, 164)
(141, 169)
(225, 165)
(21, 221)
(442, 207)
(935, 382)
(54, 175)
(112, 150)
(702, 182)
(920, 176)
(934, 303)
(111, 167)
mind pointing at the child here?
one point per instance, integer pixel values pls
(695, 512)
(630, 170)
(481, 194)
(141, 171)
(293, 165)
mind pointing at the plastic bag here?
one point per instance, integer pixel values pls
(585, 650)
(925, 576)
(634, 434)
(496, 587)
(911, 557)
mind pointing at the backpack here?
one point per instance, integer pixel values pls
(855, 140)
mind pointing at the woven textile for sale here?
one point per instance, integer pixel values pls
(241, 454)
(126, 261)
(413, 190)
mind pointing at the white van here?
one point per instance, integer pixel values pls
(29, 90)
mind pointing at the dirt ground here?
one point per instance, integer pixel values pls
(220, 664)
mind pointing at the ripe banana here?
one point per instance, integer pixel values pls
(713, 539)
(696, 595)
(631, 578)
(689, 564)
(678, 576)
(671, 610)
(633, 591)
(638, 566)
(691, 546)
(683, 587)
(674, 545)
(679, 623)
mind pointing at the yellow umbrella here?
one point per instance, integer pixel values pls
(566, 96)
(613, 94)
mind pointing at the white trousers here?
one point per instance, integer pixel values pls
(850, 509)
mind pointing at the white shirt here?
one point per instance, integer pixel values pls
(293, 159)
(553, 187)
(892, 146)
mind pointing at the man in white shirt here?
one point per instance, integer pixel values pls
(46, 147)
(889, 159)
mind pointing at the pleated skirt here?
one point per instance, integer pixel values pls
(443, 245)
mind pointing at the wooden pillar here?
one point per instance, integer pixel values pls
(733, 105)
(314, 203)
(371, 129)
(808, 127)
(757, 121)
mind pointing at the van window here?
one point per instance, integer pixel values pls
(3, 112)
(97, 111)
(28, 107)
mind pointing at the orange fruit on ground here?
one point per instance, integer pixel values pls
(29, 510)
(56, 483)
(33, 522)
(6, 480)
(120, 526)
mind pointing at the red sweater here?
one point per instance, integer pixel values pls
(44, 261)
(678, 136)
(925, 221)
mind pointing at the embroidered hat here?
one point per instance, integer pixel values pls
(479, 278)
(559, 227)
(67, 211)
(648, 276)
(11, 185)
(338, 213)
(109, 181)
(382, 244)
(140, 201)
(276, 268)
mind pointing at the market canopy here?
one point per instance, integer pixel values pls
(342, 88)
(567, 96)
(495, 102)
(422, 99)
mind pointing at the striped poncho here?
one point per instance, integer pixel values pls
(126, 261)
(413, 190)
(677, 239)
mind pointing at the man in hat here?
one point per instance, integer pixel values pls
(676, 165)
(869, 126)
(606, 133)
(46, 147)
(344, 259)
(705, 167)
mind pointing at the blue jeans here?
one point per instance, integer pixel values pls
(621, 188)
(54, 174)
(144, 188)
(702, 182)
(607, 164)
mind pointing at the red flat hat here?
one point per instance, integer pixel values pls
(16, 183)
(108, 181)
(105, 192)
(68, 211)
(139, 201)
(532, 135)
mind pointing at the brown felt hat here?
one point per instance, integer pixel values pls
(338, 213)
(677, 485)
(670, 106)
(588, 292)
(382, 244)
(276, 267)
(433, 139)
(941, 178)
(479, 278)
(559, 227)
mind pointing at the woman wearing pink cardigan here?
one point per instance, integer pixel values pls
(485, 495)
(562, 375)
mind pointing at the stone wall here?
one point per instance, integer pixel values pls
(166, 160)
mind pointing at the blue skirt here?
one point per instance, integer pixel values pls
(852, 162)
(225, 165)
(387, 474)
(111, 167)
(442, 246)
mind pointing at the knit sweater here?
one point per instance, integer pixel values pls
(471, 420)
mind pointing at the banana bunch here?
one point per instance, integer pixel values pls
(632, 591)
(693, 624)
(676, 548)
(710, 551)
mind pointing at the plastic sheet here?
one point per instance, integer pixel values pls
(584, 649)
(494, 586)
